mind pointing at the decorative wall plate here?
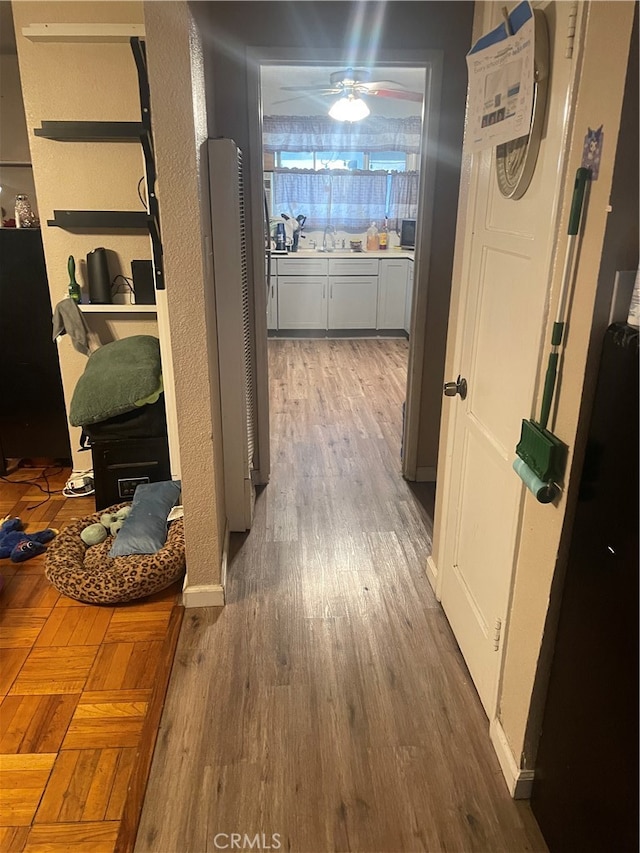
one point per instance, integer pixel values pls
(516, 159)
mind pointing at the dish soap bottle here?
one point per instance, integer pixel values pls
(372, 238)
(383, 239)
(74, 287)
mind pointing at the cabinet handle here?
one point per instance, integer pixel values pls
(324, 291)
(272, 291)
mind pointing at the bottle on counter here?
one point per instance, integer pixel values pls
(74, 287)
(383, 237)
(373, 243)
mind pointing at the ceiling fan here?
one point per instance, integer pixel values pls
(354, 83)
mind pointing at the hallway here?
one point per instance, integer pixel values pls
(328, 704)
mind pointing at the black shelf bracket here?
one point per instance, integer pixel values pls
(140, 56)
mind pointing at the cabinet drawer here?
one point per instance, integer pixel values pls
(302, 266)
(353, 266)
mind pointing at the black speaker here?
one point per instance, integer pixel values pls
(143, 285)
(98, 277)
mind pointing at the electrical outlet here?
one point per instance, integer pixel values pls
(128, 485)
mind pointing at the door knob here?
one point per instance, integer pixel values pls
(457, 387)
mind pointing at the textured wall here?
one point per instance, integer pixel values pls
(179, 121)
(62, 81)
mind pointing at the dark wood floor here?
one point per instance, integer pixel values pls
(328, 702)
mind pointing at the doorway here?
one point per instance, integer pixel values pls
(342, 214)
(327, 288)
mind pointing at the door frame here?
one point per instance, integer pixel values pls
(432, 62)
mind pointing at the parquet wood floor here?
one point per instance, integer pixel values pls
(81, 692)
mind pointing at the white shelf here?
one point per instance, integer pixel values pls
(118, 309)
(83, 32)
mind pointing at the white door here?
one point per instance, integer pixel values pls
(506, 266)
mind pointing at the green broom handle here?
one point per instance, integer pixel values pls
(582, 176)
(579, 187)
(549, 386)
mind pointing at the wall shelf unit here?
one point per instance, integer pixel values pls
(109, 131)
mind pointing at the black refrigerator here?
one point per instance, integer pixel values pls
(585, 793)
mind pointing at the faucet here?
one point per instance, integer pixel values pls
(331, 231)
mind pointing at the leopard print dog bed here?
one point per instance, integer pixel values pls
(92, 576)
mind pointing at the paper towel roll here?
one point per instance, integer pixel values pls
(543, 492)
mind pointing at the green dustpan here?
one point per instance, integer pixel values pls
(538, 447)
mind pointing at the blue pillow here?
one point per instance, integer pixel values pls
(145, 529)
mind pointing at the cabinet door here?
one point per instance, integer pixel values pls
(392, 293)
(302, 302)
(272, 304)
(352, 302)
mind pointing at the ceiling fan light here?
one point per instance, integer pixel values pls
(349, 108)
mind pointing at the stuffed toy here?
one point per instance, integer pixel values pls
(21, 546)
(109, 524)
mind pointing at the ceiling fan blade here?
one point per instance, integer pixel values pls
(326, 89)
(310, 96)
(400, 94)
(376, 84)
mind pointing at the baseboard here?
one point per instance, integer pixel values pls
(432, 573)
(208, 595)
(519, 782)
(425, 475)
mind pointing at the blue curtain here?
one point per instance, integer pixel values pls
(322, 133)
(347, 200)
(403, 197)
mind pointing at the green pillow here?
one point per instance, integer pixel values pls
(118, 376)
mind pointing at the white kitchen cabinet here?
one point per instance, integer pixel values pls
(344, 291)
(302, 302)
(392, 293)
(272, 304)
(352, 302)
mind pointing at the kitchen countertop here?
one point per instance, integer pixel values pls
(344, 253)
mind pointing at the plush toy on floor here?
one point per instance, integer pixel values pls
(21, 546)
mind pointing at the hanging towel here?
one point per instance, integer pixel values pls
(67, 319)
